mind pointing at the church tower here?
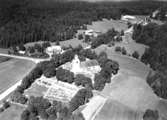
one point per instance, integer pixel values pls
(76, 65)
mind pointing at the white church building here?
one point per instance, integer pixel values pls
(88, 67)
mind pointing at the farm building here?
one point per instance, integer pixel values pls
(92, 33)
(21, 52)
(54, 50)
(128, 17)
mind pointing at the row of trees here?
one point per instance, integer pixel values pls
(105, 38)
(109, 67)
(155, 37)
(39, 107)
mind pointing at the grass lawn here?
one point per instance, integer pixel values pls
(36, 90)
(135, 67)
(73, 42)
(2, 50)
(12, 113)
(105, 25)
(113, 110)
(4, 59)
(12, 71)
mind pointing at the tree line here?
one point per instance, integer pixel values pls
(155, 36)
(24, 21)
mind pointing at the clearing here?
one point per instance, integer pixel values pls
(12, 71)
(105, 25)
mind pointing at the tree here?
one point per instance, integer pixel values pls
(30, 50)
(64, 75)
(38, 47)
(82, 80)
(50, 72)
(80, 37)
(21, 47)
(151, 115)
(87, 38)
(18, 97)
(25, 115)
(122, 32)
(99, 82)
(102, 58)
(135, 54)
(81, 97)
(46, 44)
(6, 104)
(118, 49)
(124, 52)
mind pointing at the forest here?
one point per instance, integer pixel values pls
(24, 21)
(155, 36)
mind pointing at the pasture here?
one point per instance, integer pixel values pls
(105, 25)
(36, 90)
(113, 110)
(134, 66)
(12, 71)
(12, 113)
(4, 59)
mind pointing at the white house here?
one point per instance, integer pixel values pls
(91, 33)
(155, 13)
(21, 52)
(128, 17)
(54, 50)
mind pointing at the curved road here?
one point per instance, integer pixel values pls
(12, 88)
(35, 60)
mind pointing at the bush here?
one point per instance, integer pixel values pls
(82, 80)
(65, 75)
(80, 98)
(50, 72)
(124, 52)
(118, 49)
(6, 104)
(135, 55)
(100, 82)
(80, 37)
(18, 97)
(151, 115)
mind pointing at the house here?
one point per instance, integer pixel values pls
(21, 52)
(92, 33)
(128, 18)
(155, 13)
(54, 50)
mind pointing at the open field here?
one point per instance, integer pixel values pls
(135, 67)
(113, 110)
(105, 25)
(36, 90)
(12, 71)
(131, 91)
(2, 50)
(4, 59)
(73, 42)
(12, 113)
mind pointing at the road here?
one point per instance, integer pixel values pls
(36, 60)
(12, 88)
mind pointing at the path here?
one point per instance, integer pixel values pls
(36, 60)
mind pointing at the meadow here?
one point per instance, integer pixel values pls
(12, 113)
(12, 71)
